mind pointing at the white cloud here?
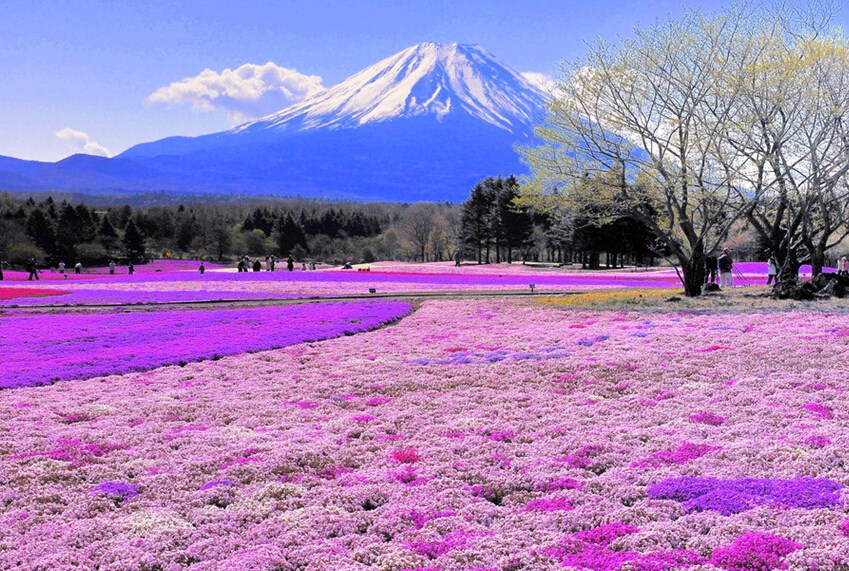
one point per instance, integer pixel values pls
(81, 143)
(247, 92)
(540, 80)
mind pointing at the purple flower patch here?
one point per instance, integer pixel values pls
(592, 341)
(217, 483)
(118, 491)
(40, 349)
(734, 496)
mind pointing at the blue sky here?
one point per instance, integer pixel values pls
(101, 76)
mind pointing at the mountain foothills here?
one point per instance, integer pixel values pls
(424, 124)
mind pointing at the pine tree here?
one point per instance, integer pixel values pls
(477, 218)
(40, 229)
(67, 233)
(288, 234)
(86, 228)
(515, 224)
(107, 233)
(134, 242)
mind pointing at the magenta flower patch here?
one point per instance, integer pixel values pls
(590, 550)
(819, 410)
(549, 505)
(681, 455)
(755, 552)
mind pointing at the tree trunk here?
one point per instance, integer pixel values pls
(789, 272)
(817, 261)
(694, 274)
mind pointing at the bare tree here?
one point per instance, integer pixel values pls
(705, 121)
(656, 108)
(792, 134)
(418, 225)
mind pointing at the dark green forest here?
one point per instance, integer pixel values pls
(488, 227)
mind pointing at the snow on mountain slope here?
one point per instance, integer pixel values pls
(425, 79)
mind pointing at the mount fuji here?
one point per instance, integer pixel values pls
(423, 124)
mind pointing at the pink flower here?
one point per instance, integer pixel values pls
(406, 455)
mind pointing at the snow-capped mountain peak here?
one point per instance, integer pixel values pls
(426, 79)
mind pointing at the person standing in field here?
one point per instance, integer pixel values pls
(202, 268)
(771, 270)
(32, 267)
(131, 269)
(62, 269)
(78, 268)
(725, 265)
(290, 263)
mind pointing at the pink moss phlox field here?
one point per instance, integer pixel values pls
(366, 452)
(44, 348)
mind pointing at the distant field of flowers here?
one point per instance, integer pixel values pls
(474, 435)
(175, 282)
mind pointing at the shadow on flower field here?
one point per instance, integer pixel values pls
(472, 435)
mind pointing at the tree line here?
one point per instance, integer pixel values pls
(53, 232)
(488, 227)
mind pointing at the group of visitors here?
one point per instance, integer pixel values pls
(62, 268)
(721, 266)
(245, 264)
